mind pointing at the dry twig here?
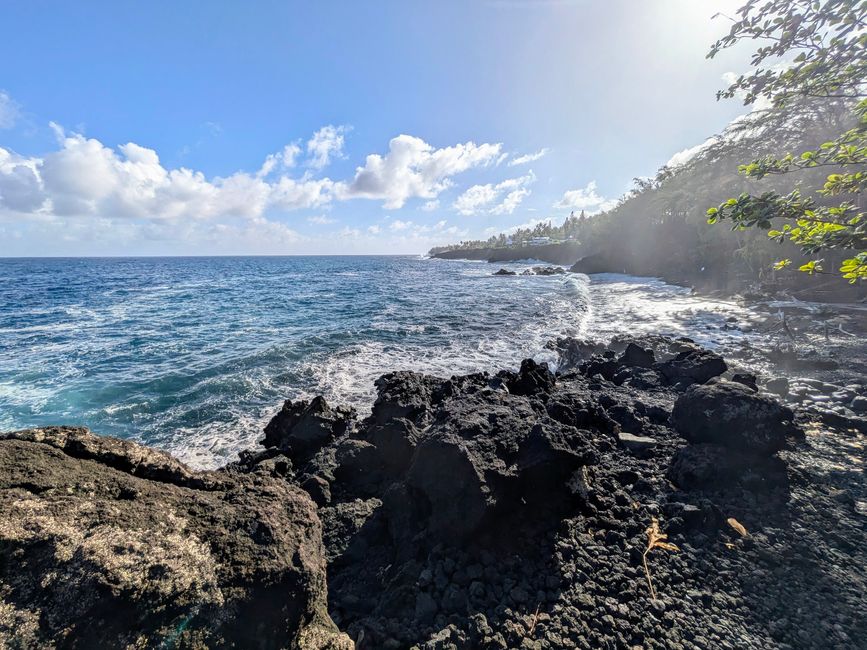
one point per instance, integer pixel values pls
(655, 539)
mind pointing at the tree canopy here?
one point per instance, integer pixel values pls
(809, 50)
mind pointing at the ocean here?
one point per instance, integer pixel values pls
(194, 355)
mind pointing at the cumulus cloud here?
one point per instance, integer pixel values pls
(91, 198)
(585, 198)
(9, 111)
(482, 198)
(85, 178)
(325, 145)
(413, 168)
(528, 158)
(285, 159)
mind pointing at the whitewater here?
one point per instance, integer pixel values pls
(194, 355)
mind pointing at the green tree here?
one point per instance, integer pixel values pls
(821, 53)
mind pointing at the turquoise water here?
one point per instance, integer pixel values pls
(195, 354)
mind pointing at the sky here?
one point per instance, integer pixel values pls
(215, 127)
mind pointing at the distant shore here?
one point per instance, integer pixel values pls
(714, 277)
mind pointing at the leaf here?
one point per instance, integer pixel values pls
(738, 526)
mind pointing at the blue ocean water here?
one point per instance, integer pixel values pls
(195, 354)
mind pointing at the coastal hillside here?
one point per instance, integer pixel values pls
(660, 228)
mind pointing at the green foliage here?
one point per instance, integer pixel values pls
(829, 40)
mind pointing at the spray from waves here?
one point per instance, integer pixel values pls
(194, 355)
(346, 375)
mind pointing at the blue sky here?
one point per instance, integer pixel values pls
(338, 127)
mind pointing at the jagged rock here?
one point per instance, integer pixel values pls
(486, 451)
(301, 428)
(692, 366)
(732, 415)
(405, 395)
(533, 379)
(572, 352)
(504, 272)
(545, 270)
(318, 488)
(395, 442)
(446, 472)
(636, 356)
(359, 465)
(108, 544)
(343, 521)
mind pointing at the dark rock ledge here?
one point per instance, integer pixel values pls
(108, 544)
(481, 511)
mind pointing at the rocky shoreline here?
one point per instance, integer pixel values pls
(719, 278)
(507, 510)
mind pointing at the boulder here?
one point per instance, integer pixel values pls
(732, 415)
(108, 544)
(547, 270)
(488, 453)
(504, 272)
(748, 379)
(533, 379)
(302, 428)
(693, 365)
(637, 356)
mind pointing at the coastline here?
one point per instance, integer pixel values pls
(584, 461)
(713, 278)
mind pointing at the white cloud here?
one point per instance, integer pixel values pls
(84, 178)
(528, 158)
(321, 220)
(479, 198)
(9, 111)
(89, 198)
(285, 159)
(326, 144)
(413, 168)
(586, 198)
